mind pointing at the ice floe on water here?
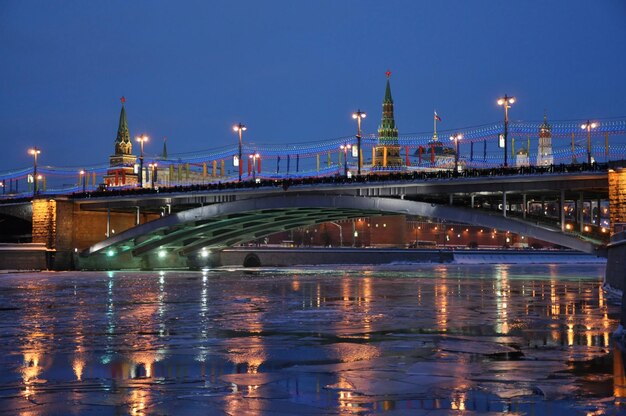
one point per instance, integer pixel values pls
(424, 339)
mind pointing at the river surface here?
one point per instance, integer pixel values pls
(394, 340)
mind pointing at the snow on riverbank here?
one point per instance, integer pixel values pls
(526, 258)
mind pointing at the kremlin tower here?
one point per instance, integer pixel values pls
(387, 152)
(121, 170)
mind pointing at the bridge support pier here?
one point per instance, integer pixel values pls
(562, 209)
(581, 217)
(504, 204)
(524, 206)
(108, 232)
(615, 276)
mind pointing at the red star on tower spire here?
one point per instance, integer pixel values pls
(388, 73)
(123, 99)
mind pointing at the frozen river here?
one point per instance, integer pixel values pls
(420, 339)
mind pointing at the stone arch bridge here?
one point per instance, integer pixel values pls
(181, 228)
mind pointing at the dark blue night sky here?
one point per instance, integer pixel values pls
(293, 71)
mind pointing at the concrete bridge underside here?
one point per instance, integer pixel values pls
(197, 234)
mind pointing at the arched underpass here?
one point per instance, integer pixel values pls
(213, 227)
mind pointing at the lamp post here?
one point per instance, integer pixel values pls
(358, 116)
(506, 102)
(240, 128)
(35, 151)
(588, 126)
(254, 158)
(82, 179)
(152, 167)
(141, 140)
(456, 137)
(345, 148)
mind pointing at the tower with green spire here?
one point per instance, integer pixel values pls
(123, 145)
(121, 171)
(387, 152)
(164, 154)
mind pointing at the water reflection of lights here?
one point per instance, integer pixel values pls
(138, 401)
(458, 401)
(30, 372)
(441, 306)
(251, 357)
(365, 302)
(619, 373)
(345, 399)
(33, 347)
(78, 362)
(502, 292)
(78, 365)
(441, 299)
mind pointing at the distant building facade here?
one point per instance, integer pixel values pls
(521, 158)
(544, 152)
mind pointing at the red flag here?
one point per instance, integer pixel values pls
(437, 117)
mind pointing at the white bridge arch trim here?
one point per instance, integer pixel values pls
(367, 205)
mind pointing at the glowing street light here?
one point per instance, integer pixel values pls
(152, 167)
(83, 179)
(588, 126)
(240, 128)
(35, 151)
(358, 116)
(254, 158)
(456, 137)
(141, 140)
(506, 102)
(345, 148)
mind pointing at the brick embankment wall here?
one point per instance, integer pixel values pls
(23, 257)
(616, 261)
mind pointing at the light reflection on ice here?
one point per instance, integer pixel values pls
(450, 337)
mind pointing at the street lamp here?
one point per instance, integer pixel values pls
(152, 167)
(254, 158)
(240, 128)
(141, 140)
(35, 152)
(358, 116)
(82, 179)
(345, 148)
(588, 126)
(456, 137)
(506, 101)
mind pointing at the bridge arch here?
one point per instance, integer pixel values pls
(227, 224)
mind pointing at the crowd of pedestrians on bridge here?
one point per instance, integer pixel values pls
(373, 176)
